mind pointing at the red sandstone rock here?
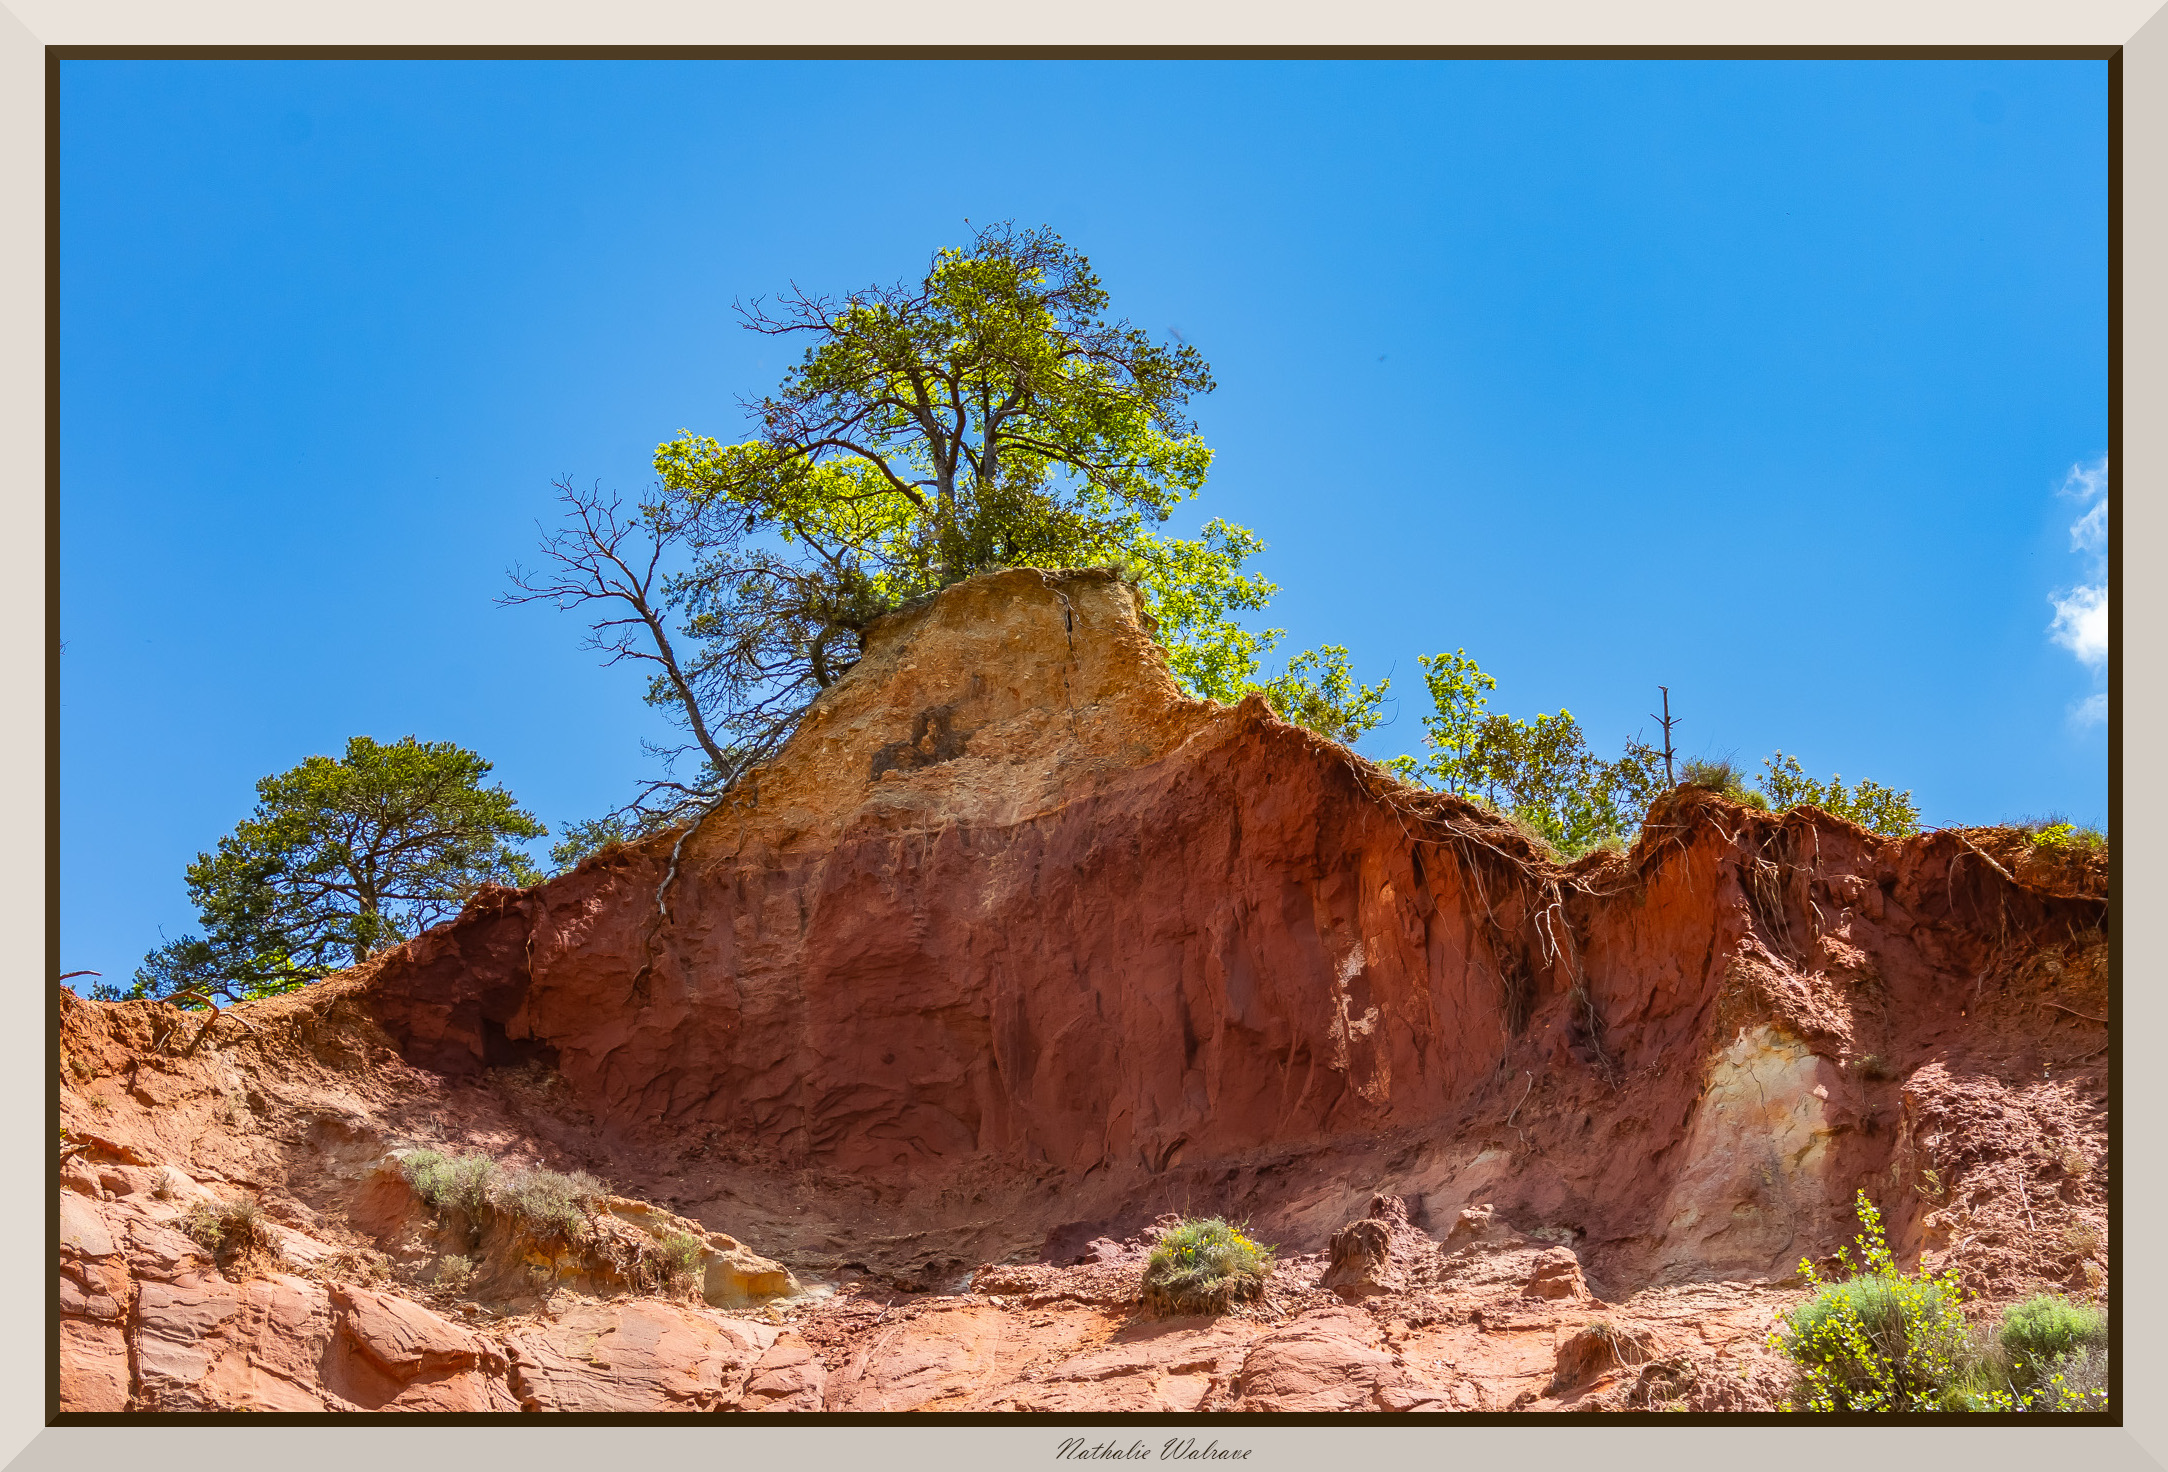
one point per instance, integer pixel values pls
(1325, 1360)
(1096, 953)
(636, 1357)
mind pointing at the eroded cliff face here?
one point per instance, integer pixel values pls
(1014, 948)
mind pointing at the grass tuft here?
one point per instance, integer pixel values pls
(235, 1232)
(1724, 778)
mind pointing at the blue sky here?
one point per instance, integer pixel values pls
(1781, 384)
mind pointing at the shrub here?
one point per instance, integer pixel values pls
(1205, 1266)
(1872, 806)
(458, 1183)
(454, 1273)
(1880, 1340)
(2043, 1331)
(2049, 1355)
(680, 1255)
(2059, 836)
(669, 1263)
(549, 1204)
(1723, 778)
(234, 1231)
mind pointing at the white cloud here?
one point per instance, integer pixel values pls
(2081, 614)
(2088, 485)
(2089, 533)
(2081, 623)
(2090, 711)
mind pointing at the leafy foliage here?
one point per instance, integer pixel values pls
(235, 1232)
(2047, 1356)
(1540, 771)
(989, 415)
(341, 858)
(1205, 1266)
(1880, 1340)
(2063, 837)
(1871, 805)
(681, 1256)
(1319, 692)
(2046, 1329)
(454, 1272)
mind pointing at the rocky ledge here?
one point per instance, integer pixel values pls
(1013, 952)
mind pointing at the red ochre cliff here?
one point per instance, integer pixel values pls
(1012, 953)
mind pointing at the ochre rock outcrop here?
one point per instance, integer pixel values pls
(1011, 951)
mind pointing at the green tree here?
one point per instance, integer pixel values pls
(989, 414)
(1874, 807)
(1542, 771)
(341, 859)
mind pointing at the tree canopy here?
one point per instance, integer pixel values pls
(1544, 773)
(342, 858)
(990, 414)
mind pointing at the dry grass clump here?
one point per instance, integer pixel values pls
(364, 1265)
(454, 1183)
(1725, 778)
(549, 1204)
(1205, 1267)
(237, 1235)
(669, 1264)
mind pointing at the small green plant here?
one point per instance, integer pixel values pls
(2049, 1355)
(548, 1203)
(454, 1272)
(1879, 1340)
(2063, 837)
(1205, 1266)
(456, 1183)
(681, 1256)
(2044, 1330)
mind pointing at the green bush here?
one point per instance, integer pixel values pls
(2059, 836)
(459, 1183)
(2042, 1330)
(234, 1231)
(2049, 1355)
(1874, 807)
(549, 1203)
(220, 1225)
(1885, 1341)
(1880, 1340)
(1205, 1266)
